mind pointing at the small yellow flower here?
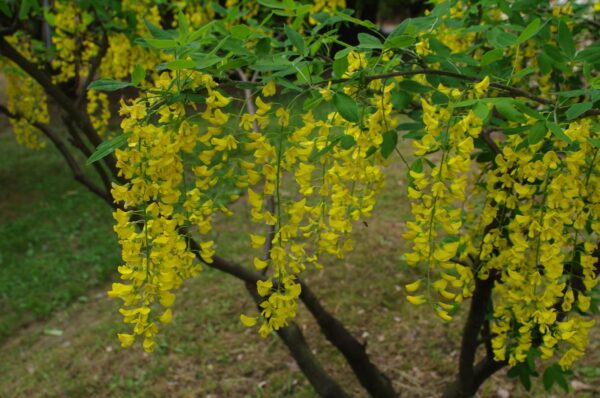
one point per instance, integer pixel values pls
(482, 87)
(248, 321)
(416, 300)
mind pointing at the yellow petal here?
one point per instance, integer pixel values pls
(167, 316)
(257, 240)
(411, 287)
(248, 321)
(126, 339)
(260, 264)
(416, 300)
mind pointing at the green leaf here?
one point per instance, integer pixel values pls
(179, 64)
(366, 23)
(366, 40)
(201, 31)
(590, 54)
(565, 40)
(202, 61)
(554, 374)
(537, 132)
(507, 110)
(272, 4)
(315, 155)
(558, 132)
(183, 24)
(157, 32)
(577, 110)
(529, 31)
(548, 379)
(295, 38)
(108, 85)
(347, 107)
(390, 140)
(6, 10)
(311, 102)
(24, 9)
(340, 65)
(501, 39)
(400, 99)
(138, 75)
(417, 167)
(594, 141)
(401, 41)
(492, 56)
(107, 147)
(347, 142)
(481, 111)
(48, 16)
(413, 87)
(161, 44)
(240, 31)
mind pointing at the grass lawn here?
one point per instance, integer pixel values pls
(56, 237)
(57, 251)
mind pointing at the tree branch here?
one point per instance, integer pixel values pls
(293, 338)
(372, 379)
(94, 65)
(79, 144)
(369, 376)
(73, 165)
(471, 376)
(80, 118)
(426, 71)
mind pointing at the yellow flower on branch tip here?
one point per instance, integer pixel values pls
(167, 316)
(248, 321)
(443, 314)
(207, 251)
(263, 107)
(283, 117)
(259, 264)
(120, 290)
(167, 299)
(412, 287)
(416, 300)
(264, 287)
(257, 240)
(482, 87)
(254, 199)
(126, 340)
(269, 89)
(226, 143)
(148, 345)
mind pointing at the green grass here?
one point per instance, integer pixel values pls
(56, 238)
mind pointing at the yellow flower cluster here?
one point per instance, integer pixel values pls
(437, 198)
(25, 97)
(169, 199)
(545, 252)
(74, 47)
(331, 192)
(457, 40)
(97, 107)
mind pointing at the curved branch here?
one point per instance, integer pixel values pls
(426, 71)
(68, 156)
(471, 375)
(369, 376)
(81, 118)
(79, 144)
(94, 65)
(293, 338)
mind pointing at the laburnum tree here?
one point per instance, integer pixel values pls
(233, 100)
